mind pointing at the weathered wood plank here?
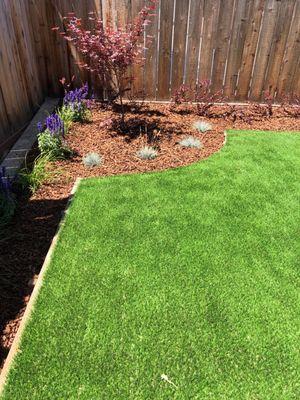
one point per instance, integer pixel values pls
(224, 30)
(137, 71)
(268, 26)
(278, 45)
(291, 56)
(164, 57)
(249, 50)
(151, 57)
(194, 41)
(241, 18)
(182, 8)
(211, 13)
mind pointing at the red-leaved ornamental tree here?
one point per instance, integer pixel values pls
(109, 52)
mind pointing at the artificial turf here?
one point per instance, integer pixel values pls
(192, 273)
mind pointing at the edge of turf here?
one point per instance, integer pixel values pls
(34, 295)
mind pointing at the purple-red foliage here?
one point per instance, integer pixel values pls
(108, 52)
(205, 99)
(181, 95)
(291, 105)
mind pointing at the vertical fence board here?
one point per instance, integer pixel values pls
(291, 56)
(241, 16)
(151, 56)
(248, 56)
(223, 30)
(164, 56)
(211, 12)
(268, 26)
(137, 71)
(278, 45)
(179, 43)
(194, 41)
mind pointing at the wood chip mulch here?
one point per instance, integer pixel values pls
(25, 246)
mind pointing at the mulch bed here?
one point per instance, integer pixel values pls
(37, 218)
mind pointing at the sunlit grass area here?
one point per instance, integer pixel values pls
(182, 284)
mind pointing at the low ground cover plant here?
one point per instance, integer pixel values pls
(92, 160)
(202, 126)
(147, 153)
(191, 142)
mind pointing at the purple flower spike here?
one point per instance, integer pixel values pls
(40, 127)
(75, 97)
(55, 125)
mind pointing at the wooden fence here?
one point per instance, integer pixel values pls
(243, 46)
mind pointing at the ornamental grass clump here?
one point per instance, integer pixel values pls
(202, 126)
(92, 160)
(147, 153)
(191, 142)
(32, 178)
(51, 138)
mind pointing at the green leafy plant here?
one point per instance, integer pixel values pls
(53, 146)
(32, 178)
(51, 138)
(66, 114)
(191, 142)
(75, 106)
(92, 160)
(147, 153)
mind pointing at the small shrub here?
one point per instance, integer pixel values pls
(66, 115)
(202, 126)
(51, 138)
(147, 153)
(92, 160)
(205, 99)
(108, 52)
(181, 95)
(191, 142)
(269, 100)
(7, 199)
(290, 105)
(35, 177)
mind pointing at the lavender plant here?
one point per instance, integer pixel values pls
(74, 101)
(51, 138)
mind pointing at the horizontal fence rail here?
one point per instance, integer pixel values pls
(244, 47)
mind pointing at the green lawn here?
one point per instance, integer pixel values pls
(192, 273)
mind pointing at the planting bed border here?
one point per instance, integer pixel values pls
(38, 285)
(15, 158)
